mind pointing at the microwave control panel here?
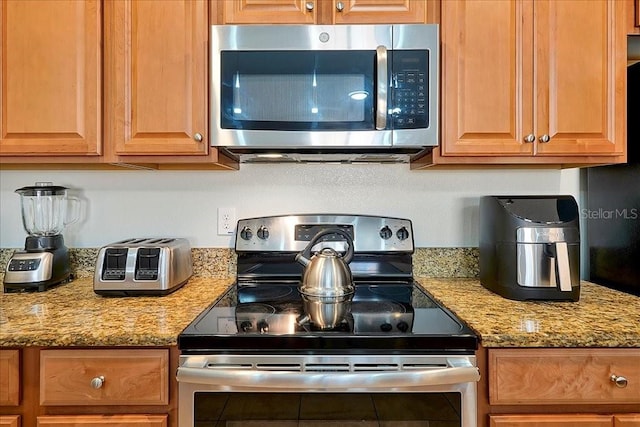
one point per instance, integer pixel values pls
(410, 89)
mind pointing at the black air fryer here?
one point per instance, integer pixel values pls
(530, 247)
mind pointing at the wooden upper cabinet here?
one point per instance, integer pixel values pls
(156, 77)
(580, 69)
(269, 11)
(50, 72)
(487, 99)
(380, 11)
(539, 69)
(326, 11)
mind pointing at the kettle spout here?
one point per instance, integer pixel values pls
(302, 260)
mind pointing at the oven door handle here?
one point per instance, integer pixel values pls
(234, 379)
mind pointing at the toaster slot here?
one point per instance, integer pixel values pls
(147, 263)
(115, 263)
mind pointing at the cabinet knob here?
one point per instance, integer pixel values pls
(340, 6)
(530, 138)
(198, 137)
(545, 138)
(309, 6)
(619, 381)
(97, 382)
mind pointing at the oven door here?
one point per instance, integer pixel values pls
(234, 390)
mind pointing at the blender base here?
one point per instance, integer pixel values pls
(36, 270)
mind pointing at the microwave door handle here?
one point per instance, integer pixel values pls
(383, 78)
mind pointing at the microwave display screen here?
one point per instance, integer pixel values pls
(298, 90)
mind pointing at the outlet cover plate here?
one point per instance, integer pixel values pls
(226, 221)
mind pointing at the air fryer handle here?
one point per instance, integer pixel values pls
(562, 262)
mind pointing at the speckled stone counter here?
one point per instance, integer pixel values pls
(73, 315)
(601, 318)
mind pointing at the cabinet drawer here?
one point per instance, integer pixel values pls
(9, 377)
(562, 376)
(103, 421)
(104, 377)
(564, 420)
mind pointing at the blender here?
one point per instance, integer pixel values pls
(44, 262)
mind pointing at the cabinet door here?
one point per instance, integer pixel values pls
(9, 377)
(156, 78)
(633, 16)
(580, 68)
(50, 77)
(626, 420)
(103, 421)
(269, 11)
(380, 11)
(568, 420)
(486, 77)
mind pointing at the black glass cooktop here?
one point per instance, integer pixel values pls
(389, 317)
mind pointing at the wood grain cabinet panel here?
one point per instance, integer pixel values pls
(9, 421)
(380, 12)
(545, 78)
(156, 77)
(568, 420)
(50, 77)
(626, 420)
(104, 377)
(103, 421)
(269, 11)
(563, 376)
(633, 16)
(9, 377)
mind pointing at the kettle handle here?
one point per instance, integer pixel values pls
(348, 256)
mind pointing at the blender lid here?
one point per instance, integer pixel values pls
(42, 189)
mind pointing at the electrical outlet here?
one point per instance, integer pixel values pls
(226, 221)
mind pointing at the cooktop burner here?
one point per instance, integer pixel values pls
(382, 317)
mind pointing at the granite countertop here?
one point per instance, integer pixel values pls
(73, 315)
(601, 318)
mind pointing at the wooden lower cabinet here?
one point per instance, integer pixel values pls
(82, 387)
(103, 421)
(564, 420)
(9, 378)
(9, 421)
(560, 387)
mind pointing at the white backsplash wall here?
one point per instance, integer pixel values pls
(443, 204)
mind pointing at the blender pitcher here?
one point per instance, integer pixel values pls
(45, 208)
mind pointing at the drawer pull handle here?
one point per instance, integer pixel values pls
(98, 381)
(619, 381)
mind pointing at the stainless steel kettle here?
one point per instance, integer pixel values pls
(327, 273)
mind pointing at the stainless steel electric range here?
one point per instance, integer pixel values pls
(254, 357)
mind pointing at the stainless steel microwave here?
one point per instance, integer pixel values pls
(307, 93)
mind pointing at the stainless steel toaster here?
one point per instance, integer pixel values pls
(142, 266)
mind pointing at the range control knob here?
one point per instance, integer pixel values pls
(263, 233)
(386, 327)
(246, 326)
(402, 234)
(402, 326)
(246, 233)
(386, 233)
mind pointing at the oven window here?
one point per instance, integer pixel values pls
(297, 90)
(319, 409)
